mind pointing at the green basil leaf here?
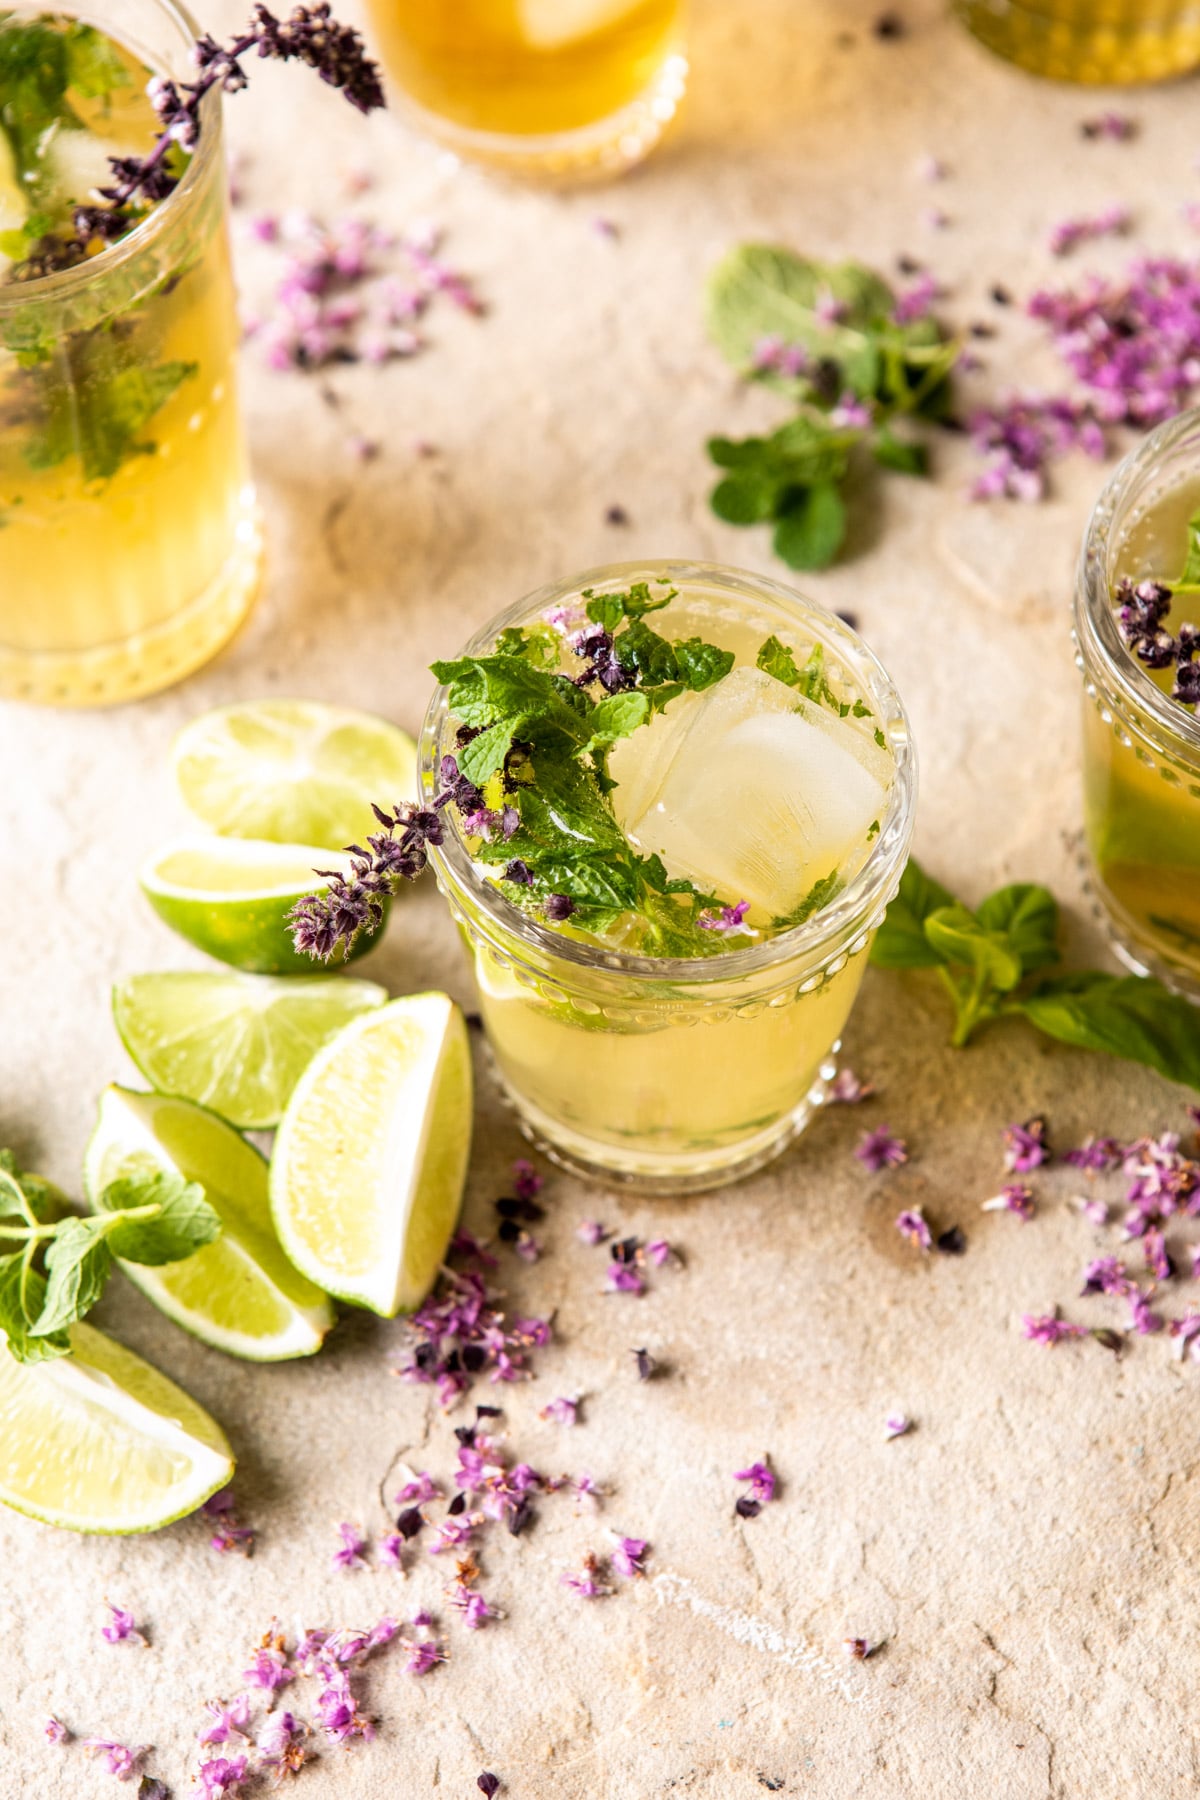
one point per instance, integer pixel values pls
(1027, 916)
(744, 499)
(78, 1264)
(900, 942)
(617, 716)
(186, 1223)
(893, 453)
(1125, 1015)
(958, 937)
(810, 533)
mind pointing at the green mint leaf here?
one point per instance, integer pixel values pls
(537, 645)
(811, 680)
(484, 756)
(1027, 917)
(99, 404)
(641, 649)
(486, 690)
(702, 665)
(93, 67)
(893, 453)
(776, 659)
(744, 500)
(819, 894)
(1125, 1015)
(900, 942)
(607, 610)
(1191, 566)
(811, 531)
(43, 1201)
(761, 291)
(22, 1295)
(616, 717)
(184, 1225)
(959, 939)
(78, 1263)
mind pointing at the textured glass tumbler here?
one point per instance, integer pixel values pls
(673, 1075)
(1141, 749)
(547, 90)
(1113, 41)
(127, 561)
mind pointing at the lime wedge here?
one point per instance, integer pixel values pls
(239, 1294)
(100, 1441)
(231, 898)
(294, 771)
(236, 1044)
(370, 1160)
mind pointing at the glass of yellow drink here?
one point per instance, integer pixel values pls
(1107, 41)
(1141, 746)
(551, 89)
(781, 804)
(130, 542)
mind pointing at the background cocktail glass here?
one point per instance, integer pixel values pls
(123, 566)
(1141, 749)
(677, 1074)
(1090, 40)
(549, 89)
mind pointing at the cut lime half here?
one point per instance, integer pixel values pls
(237, 1044)
(293, 771)
(371, 1157)
(100, 1441)
(231, 897)
(240, 1293)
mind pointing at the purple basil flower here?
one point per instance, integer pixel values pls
(1158, 1260)
(896, 1425)
(881, 1149)
(629, 1556)
(487, 1783)
(1106, 1275)
(423, 1656)
(227, 1721)
(847, 1090)
(1096, 1155)
(761, 1491)
(119, 1759)
(1013, 1198)
(911, 1224)
(55, 1731)
(1048, 1328)
(622, 1279)
(591, 1232)
(561, 1412)
(1026, 1146)
(1142, 1318)
(728, 920)
(1113, 221)
(122, 1627)
(588, 1582)
(281, 1745)
(268, 1669)
(352, 1554)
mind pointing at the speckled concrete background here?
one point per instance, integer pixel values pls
(1029, 1553)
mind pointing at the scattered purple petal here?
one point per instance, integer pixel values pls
(881, 1149)
(1114, 221)
(1014, 1197)
(896, 1425)
(55, 1731)
(847, 1090)
(118, 1759)
(592, 1232)
(760, 1493)
(1048, 1328)
(1116, 126)
(911, 1224)
(352, 1554)
(1026, 1146)
(122, 1627)
(1097, 1155)
(561, 1412)
(1142, 1318)
(227, 1721)
(589, 1581)
(629, 1557)
(728, 920)
(623, 1279)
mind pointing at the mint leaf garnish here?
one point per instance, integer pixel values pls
(810, 680)
(990, 960)
(98, 404)
(832, 339)
(154, 1219)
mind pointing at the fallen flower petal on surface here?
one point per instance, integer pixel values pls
(119, 1759)
(847, 1090)
(1014, 1197)
(227, 1721)
(352, 1552)
(122, 1627)
(1047, 1328)
(881, 1149)
(223, 1777)
(588, 1582)
(1026, 1146)
(896, 1425)
(912, 1225)
(629, 1556)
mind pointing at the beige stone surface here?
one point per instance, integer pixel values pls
(1028, 1554)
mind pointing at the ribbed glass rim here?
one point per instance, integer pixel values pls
(1095, 619)
(842, 918)
(159, 218)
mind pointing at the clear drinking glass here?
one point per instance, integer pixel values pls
(127, 558)
(677, 1074)
(550, 89)
(1119, 41)
(1141, 749)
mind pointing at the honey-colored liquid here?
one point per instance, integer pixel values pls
(128, 550)
(1106, 41)
(1141, 807)
(526, 68)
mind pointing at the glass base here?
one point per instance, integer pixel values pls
(641, 1170)
(1083, 41)
(1138, 956)
(152, 659)
(596, 152)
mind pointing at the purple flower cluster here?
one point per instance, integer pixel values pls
(1142, 610)
(338, 301)
(881, 1149)
(227, 1535)
(462, 1332)
(1020, 437)
(760, 1492)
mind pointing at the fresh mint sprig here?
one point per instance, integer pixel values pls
(834, 340)
(54, 1264)
(991, 962)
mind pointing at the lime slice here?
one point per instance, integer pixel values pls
(370, 1160)
(294, 771)
(231, 898)
(100, 1441)
(240, 1293)
(236, 1044)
